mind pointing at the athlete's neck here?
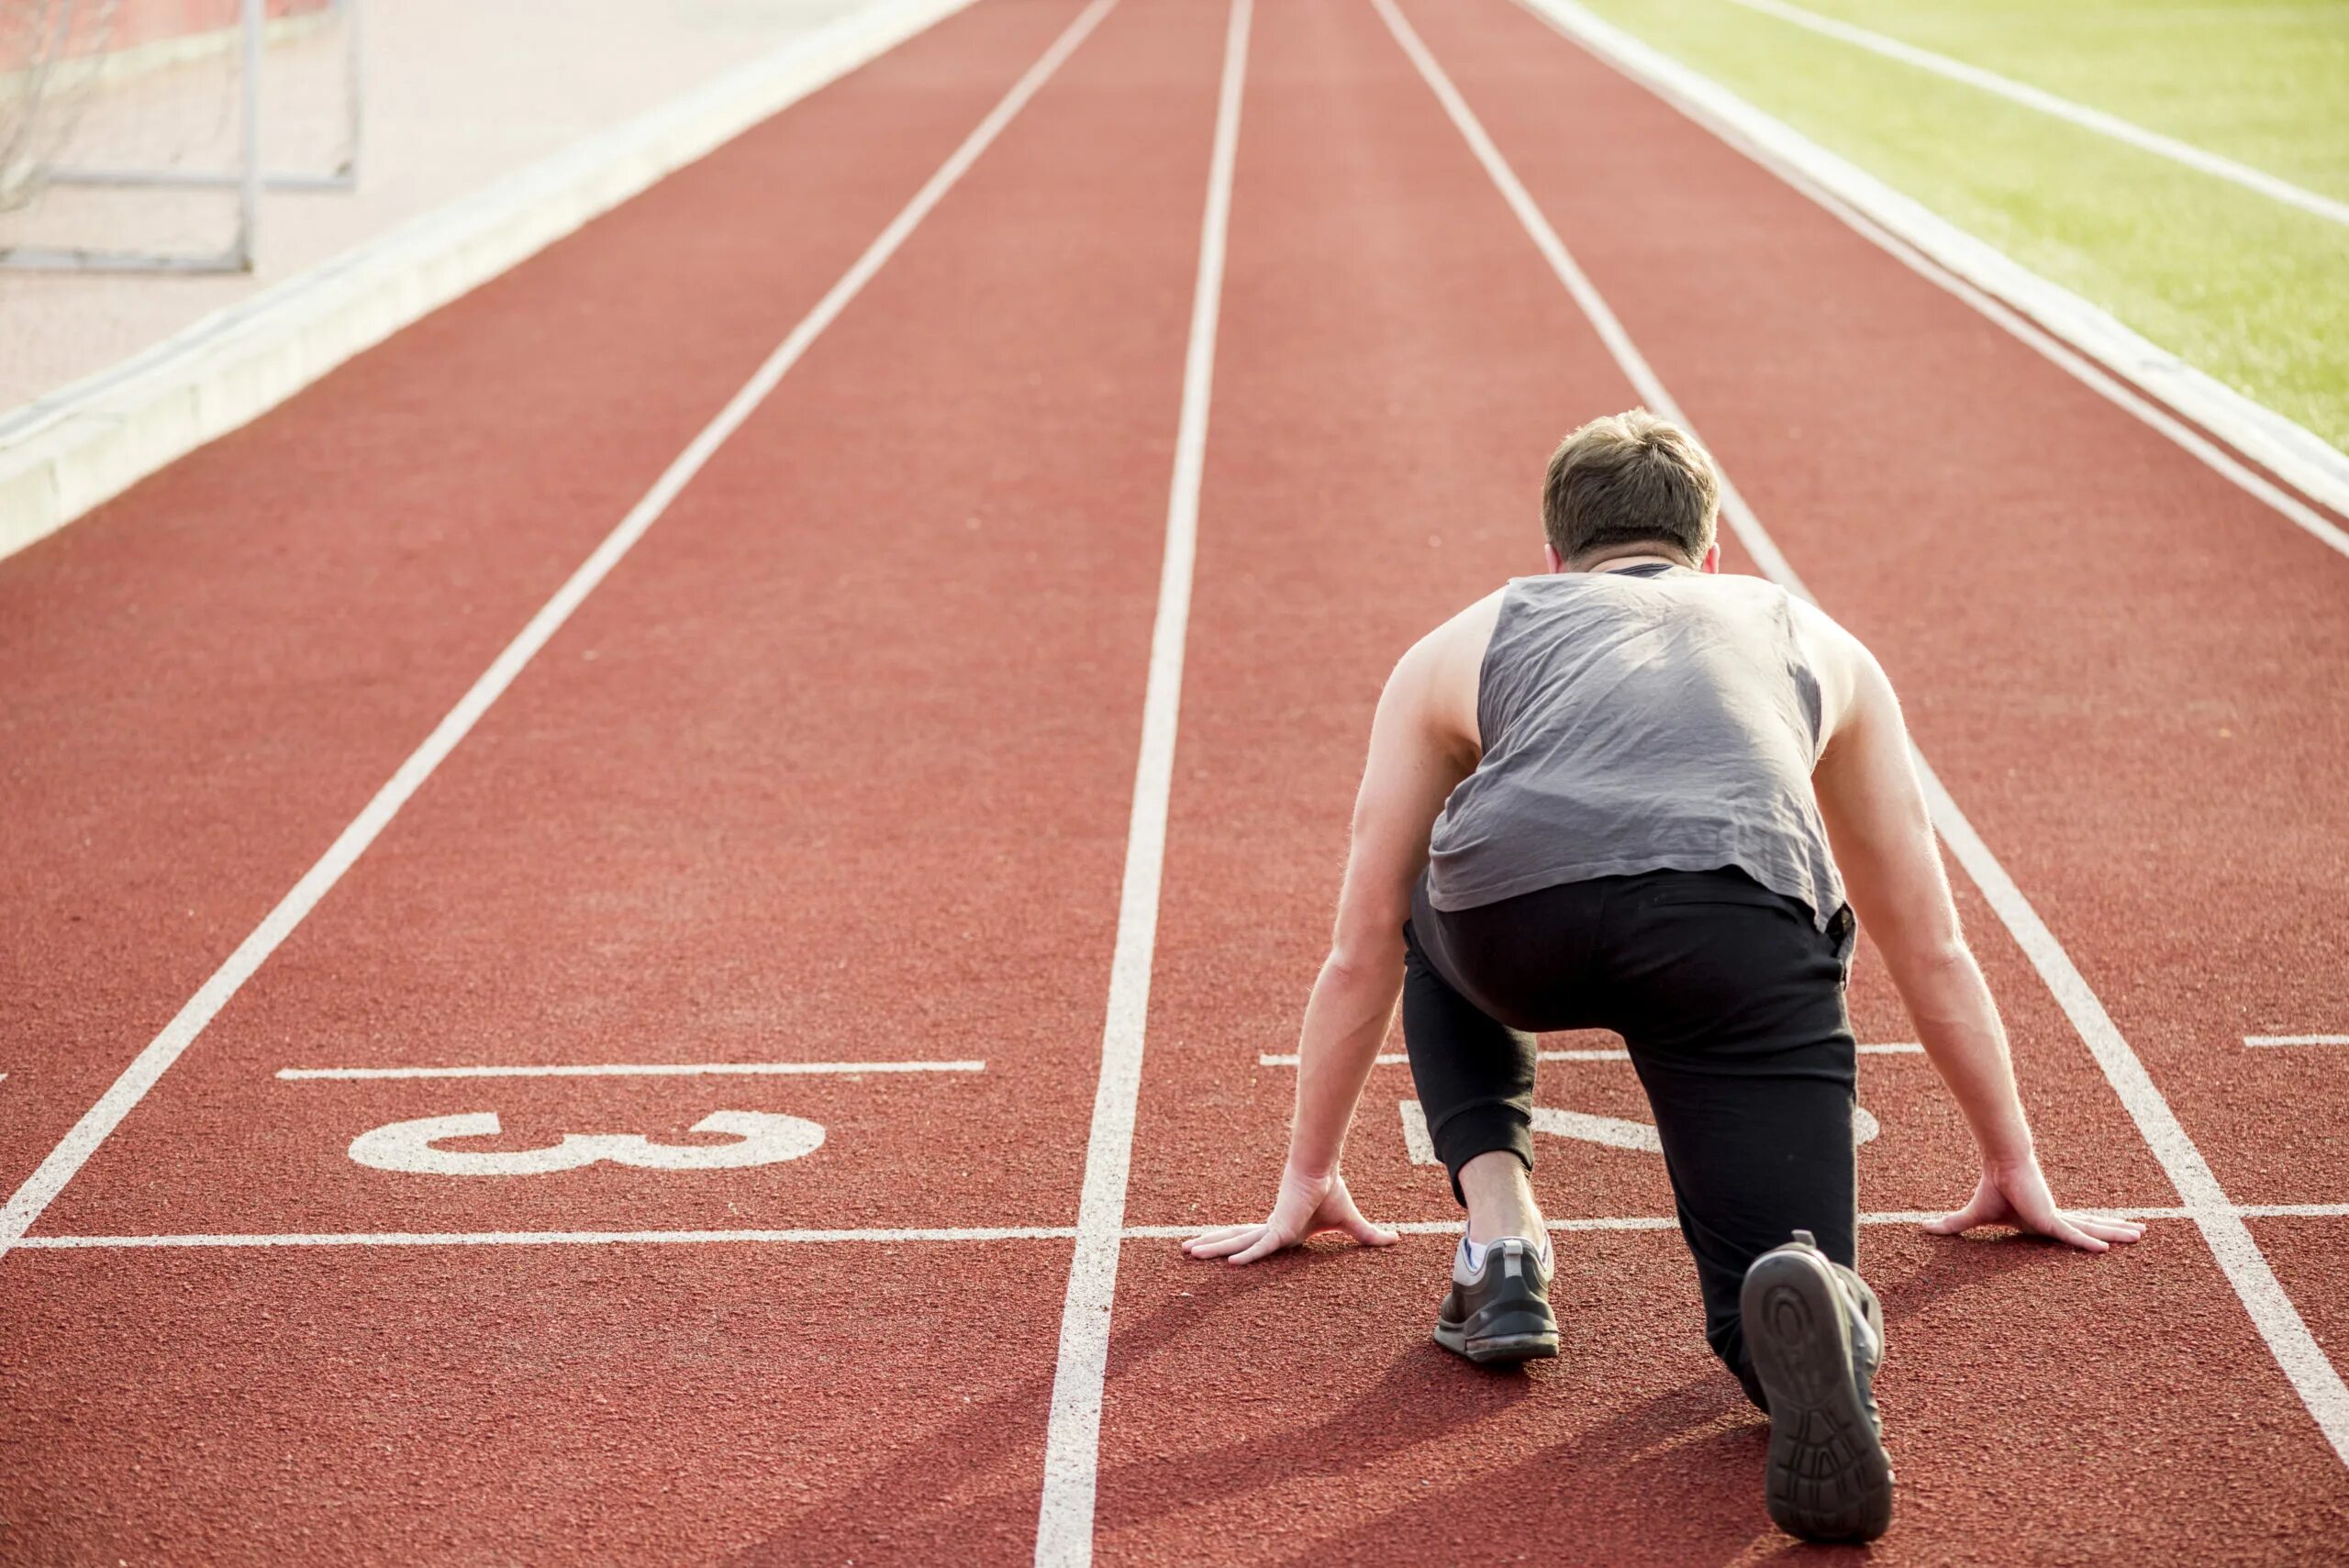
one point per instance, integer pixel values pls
(1625, 562)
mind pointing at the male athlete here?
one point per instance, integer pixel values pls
(1632, 795)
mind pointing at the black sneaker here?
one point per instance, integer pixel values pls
(1499, 1313)
(1816, 1335)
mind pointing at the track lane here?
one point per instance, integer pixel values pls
(603, 1405)
(210, 676)
(768, 794)
(1297, 1410)
(2124, 666)
(781, 789)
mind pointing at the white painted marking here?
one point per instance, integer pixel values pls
(555, 1238)
(50, 1177)
(631, 1070)
(2312, 1376)
(2201, 159)
(1397, 1059)
(2076, 336)
(2265, 1040)
(760, 1137)
(1614, 1132)
(946, 1234)
(1417, 1143)
(1072, 1435)
(1593, 1054)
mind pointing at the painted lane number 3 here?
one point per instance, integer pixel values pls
(760, 1138)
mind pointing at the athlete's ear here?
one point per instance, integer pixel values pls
(1713, 561)
(1550, 553)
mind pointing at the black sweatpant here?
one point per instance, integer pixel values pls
(1731, 1001)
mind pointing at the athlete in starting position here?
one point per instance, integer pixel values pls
(1632, 795)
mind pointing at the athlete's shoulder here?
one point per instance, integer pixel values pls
(1469, 629)
(1850, 683)
(1825, 636)
(1438, 676)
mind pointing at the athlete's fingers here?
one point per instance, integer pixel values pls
(1209, 1238)
(2122, 1231)
(1363, 1231)
(1214, 1232)
(1219, 1246)
(1237, 1240)
(1979, 1212)
(1264, 1246)
(2064, 1230)
(1340, 1212)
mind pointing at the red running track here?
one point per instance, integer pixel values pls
(836, 767)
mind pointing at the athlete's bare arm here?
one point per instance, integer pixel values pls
(1423, 741)
(1883, 837)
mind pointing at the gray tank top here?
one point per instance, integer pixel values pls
(1650, 719)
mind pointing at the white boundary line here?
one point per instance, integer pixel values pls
(550, 1238)
(2265, 1040)
(1072, 1437)
(629, 1070)
(2201, 159)
(2079, 337)
(64, 453)
(1599, 1053)
(945, 1233)
(51, 1177)
(2303, 1362)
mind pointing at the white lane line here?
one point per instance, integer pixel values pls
(551, 1237)
(2201, 159)
(50, 1177)
(2082, 339)
(1397, 1059)
(1595, 1053)
(1072, 1437)
(2279, 1323)
(631, 1070)
(2312, 1372)
(2263, 1040)
(951, 1233)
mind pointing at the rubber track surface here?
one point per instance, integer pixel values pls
(837, 767)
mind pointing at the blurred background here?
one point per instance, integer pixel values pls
(134, 201)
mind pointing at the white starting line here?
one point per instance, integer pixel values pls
(2259, 1040)
(1589, 1053)
(634, 1070)
(969, 1233)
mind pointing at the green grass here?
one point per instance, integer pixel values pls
(2251, 291)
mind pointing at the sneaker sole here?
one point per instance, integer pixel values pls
(1489, 1350)
(1829, 1477)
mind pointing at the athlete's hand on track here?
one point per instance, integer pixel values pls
(2018, 1195)
(1307, 1205)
